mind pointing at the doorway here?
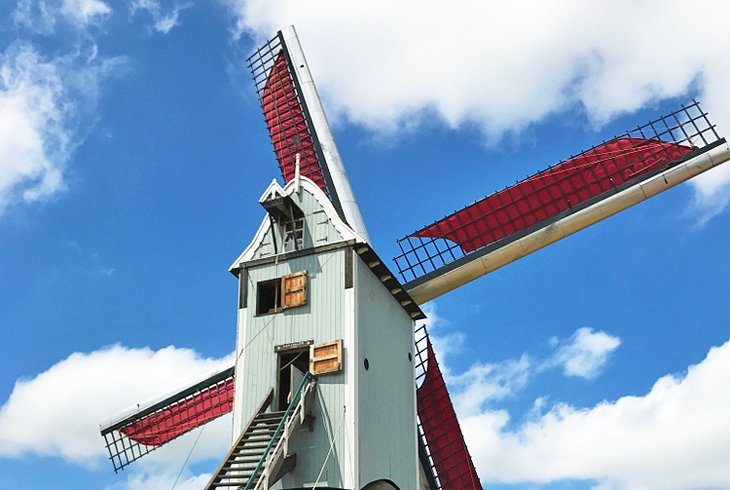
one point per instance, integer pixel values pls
(292, 366)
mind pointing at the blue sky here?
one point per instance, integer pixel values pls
(133, 151)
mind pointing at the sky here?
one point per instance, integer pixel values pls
(133, 151)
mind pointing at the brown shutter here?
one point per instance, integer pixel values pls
(326, 358)
(294, 289)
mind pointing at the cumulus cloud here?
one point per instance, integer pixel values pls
(675, 437)
(503, 66)
(585, 354)
(41, 101)
(488, 382)
(58, 412)
(163, 20)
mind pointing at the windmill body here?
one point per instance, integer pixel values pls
(304, 289)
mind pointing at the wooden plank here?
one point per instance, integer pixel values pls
(294, 289)
(348, 268)
(326, 358)
(243, 288)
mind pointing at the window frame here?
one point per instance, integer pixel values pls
(282, 290)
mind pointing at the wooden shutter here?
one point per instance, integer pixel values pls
(294, 289)
(326, 358)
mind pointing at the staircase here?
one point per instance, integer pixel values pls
(259, 457)
(245, 455)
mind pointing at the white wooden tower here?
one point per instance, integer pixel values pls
(314, 298)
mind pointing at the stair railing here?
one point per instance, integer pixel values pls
(296, 409)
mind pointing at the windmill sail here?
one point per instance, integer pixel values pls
(297, 124)
(153, 424)
(559, 201)
(445, 455)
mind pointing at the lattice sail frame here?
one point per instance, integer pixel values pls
(556, 192)
(287, 116)
(443, 450)
(152, 427)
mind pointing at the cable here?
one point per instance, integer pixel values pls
(332, 446)
(188, 458)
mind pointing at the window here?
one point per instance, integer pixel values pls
(281, 293)
(268, 299)
(326, 358)
(293, 235)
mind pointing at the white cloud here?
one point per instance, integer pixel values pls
(488, 382)
(41, 101)
(42, 16)
(164, 481)
(85, 12)
(675, 437)
(585, 353)
(503, 66)
(58, 412)
(163, 20)
(33, 139)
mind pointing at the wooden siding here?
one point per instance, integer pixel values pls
(386, 390)
(321, 319)
(318, 228)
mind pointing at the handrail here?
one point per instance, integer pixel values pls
(295, 401)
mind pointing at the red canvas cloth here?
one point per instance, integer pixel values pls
(442, 431)
(176, 420)
(553, 191)
(287, 125)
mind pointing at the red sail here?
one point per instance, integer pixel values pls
(441, 429)
(554, 191)
(177, 419)
(287, 125)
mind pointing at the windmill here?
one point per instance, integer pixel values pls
(330, 386)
